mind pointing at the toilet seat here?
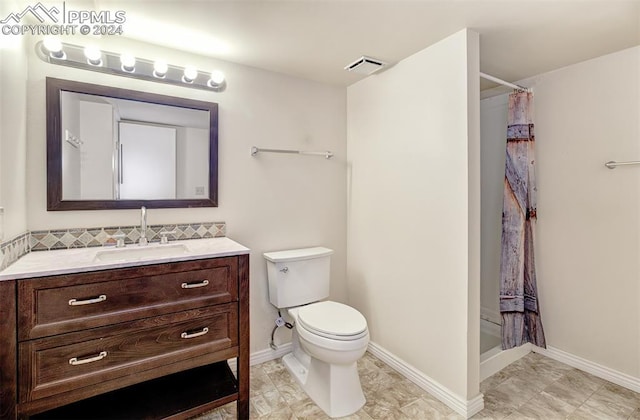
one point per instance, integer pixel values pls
(332, 320)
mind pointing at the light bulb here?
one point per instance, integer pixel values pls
(54, 47)
(93, 54)
(128, 63)
(217, 77)
(190, 74)
(160, 68)
(52, 44)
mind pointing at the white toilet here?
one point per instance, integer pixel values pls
(328, 337)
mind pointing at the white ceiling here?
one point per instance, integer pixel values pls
(316, 39)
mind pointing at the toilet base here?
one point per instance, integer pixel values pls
(334, 388)
(295, 368)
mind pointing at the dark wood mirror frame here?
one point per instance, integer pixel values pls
(54, 147)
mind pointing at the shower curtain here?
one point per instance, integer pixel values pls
(518, 291)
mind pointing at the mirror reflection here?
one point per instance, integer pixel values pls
(113, 148)
(120, 149)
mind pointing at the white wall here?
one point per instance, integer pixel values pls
(13, 136)
(413, 237)
(96, 150)
(192, 162)
(71, 155)
(588, 250)
(270, 202)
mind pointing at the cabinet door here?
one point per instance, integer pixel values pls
(61, 304)
(147, 162)
(66, 362)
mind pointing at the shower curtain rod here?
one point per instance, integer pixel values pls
(502, 82)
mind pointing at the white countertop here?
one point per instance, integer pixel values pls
(79, 260)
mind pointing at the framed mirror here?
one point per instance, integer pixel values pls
(112, 148)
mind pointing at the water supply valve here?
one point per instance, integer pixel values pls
(280, 322)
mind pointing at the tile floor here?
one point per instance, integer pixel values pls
(534, 387)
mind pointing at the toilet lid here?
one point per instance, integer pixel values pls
(332, 318)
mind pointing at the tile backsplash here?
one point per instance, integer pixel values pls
(13, 249)
(46, 240)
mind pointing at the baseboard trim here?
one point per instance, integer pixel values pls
(497, 359)
(265, 355)
(611, 375)
(466, 408)
(261, 356)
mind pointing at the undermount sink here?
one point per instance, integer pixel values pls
(133, 253)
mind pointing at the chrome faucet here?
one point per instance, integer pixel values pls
(143, 227)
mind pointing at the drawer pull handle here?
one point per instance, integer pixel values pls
(195, 285)
(194, 335)
(76, 302)
(75, 361)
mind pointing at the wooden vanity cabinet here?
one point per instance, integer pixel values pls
(141, 342)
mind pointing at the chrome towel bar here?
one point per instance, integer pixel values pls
(613, 164)
(256, 150)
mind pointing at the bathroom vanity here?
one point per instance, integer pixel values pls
(124, 333)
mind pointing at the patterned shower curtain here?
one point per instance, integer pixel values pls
(518, 291)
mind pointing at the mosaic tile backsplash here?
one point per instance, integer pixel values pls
(13, 249)
(46, 240)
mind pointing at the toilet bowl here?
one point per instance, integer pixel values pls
(329, 338)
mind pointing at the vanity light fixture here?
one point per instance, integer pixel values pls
(216, 79)
(190, 74)
(53, 51)
(54, 48)
(93, 54)
(160, 69)
(128, 63)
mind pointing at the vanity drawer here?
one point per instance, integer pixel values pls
(71, 361)
(61, 304)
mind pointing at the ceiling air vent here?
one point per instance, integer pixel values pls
(365, 65)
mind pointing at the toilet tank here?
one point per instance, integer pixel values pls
(298, 276)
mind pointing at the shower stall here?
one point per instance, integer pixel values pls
(493, 133)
